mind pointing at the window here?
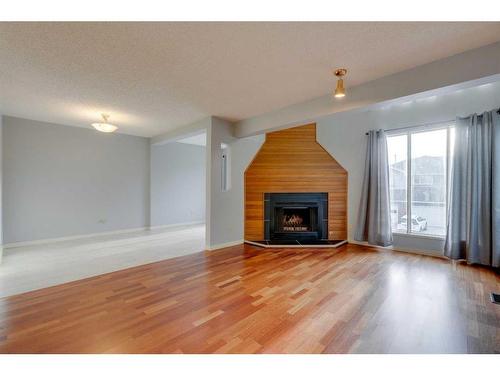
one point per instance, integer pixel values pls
(398, 163)
(418, 178)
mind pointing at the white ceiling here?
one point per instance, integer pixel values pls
(154, 77)
(198, 140)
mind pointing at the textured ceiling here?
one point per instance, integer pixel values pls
(153, 77)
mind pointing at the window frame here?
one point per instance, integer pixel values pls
(408, 131)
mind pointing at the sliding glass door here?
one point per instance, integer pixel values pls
(418, 173)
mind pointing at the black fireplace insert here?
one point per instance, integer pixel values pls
(296, 216)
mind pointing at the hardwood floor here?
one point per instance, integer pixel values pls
(250, 300)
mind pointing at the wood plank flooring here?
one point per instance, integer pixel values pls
(250, 300)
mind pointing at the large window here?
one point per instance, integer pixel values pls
(418, 174)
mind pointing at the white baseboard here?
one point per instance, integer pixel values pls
(428, 253)
(96, 235)
(225, 244)
(362, 243)
(402, 250)
(69, 238)
(167, 226)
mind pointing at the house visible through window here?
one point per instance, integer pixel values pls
(418, 176)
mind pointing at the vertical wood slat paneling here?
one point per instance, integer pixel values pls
(292, 161)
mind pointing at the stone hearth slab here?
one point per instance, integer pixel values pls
(289, 243)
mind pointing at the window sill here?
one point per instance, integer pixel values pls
(415, 235)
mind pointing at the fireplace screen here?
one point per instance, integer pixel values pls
(295, 219)
(295, 216)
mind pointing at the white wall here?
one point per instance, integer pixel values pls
(63, 181)
(464, 69)
(225, 224)
(177, 184)
(1, 187)
(343, 135)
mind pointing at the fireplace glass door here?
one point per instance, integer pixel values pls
(296, 219)
(295, 216)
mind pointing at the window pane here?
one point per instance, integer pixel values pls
(451, 149)
(452, 142)
(428, 179)
(397, 153)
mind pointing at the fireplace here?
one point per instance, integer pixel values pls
(296, 216)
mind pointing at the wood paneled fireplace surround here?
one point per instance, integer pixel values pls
(295, 192)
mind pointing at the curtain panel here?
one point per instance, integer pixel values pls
(473, 230)
(374, 216)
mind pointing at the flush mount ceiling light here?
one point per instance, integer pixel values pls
(104, 126)
(340, 90)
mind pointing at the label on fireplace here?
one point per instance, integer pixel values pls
(295, 229)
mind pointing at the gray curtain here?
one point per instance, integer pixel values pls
(473, 231)
(374, 217)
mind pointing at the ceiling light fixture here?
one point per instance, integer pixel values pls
(104, 126)
(340, 90)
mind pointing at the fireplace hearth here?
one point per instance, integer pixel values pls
(296, 216)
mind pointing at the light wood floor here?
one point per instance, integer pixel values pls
(248, 300)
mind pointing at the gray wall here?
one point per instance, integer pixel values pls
(226, 223)
(1, 185)
(63, 181)
(177, 183)
(343, 135)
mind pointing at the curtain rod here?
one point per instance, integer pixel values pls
(417, 126)
(424, 125)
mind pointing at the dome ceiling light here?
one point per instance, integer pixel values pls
(340, 90)
(104, 126)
